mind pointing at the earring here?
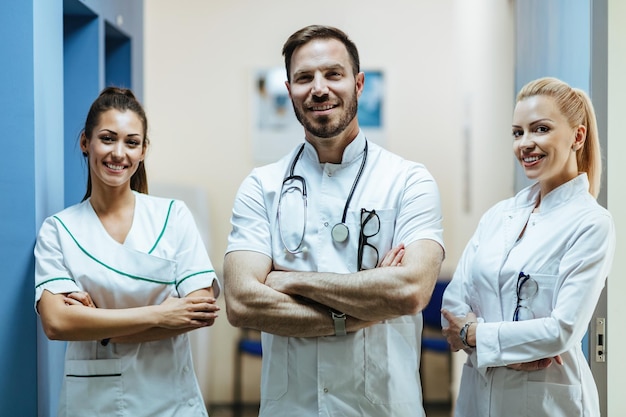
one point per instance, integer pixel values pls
(85, 154)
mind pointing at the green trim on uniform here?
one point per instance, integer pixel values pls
(209, 271)
(55, 279)
(169, 210)
(107, 266)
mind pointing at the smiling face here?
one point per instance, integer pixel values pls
(323, 90)
(115, 148)
(544, 142)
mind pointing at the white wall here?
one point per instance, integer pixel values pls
(448, 67)
(485, 40)
(616, 149)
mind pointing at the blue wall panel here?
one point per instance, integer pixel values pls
(17, 212)
(81, 84)
(118, 57)
(48, 81)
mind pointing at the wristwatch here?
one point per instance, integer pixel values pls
(463, 334)
(340, 322)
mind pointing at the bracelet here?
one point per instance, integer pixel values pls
(463, 334)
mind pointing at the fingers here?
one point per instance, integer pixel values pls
(188, 312)
(515, 366)
(203, 312)
(543, 363)
(202, 304)
(451, 337)
(199, 300)
(70, 301)
(447, 315)
(79, 298)
(393, 257)
(537, 365)
(194, 302)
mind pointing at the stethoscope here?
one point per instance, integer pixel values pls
(340, 231)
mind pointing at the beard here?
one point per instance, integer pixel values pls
(324, 127)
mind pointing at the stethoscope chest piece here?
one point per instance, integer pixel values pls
(340, 232)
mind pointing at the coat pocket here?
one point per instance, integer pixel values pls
(275, 367)
(392, 364)
(554, 400)
(94, 388)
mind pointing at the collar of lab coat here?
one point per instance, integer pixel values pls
(524, 202)
(560, 195)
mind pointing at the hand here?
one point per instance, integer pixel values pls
(188, 312)
(537, 365)
(278, 281)
(453, 331)
(81, 298)
(393, 257)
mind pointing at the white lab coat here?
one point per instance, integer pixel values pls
(162, 256)
(568, 249)
(374, 371)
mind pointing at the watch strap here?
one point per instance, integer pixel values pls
(463, 334)
(339, 319)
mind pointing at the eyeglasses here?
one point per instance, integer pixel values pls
(293, 198)
(526, 289)
(370, 226)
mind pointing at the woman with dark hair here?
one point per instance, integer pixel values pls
(123, 277)
(527, 284)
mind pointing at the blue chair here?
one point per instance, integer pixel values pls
(432, 319)
(433, 340)
(247, 344)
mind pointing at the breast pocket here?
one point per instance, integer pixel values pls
(374, 231)
(541, 302)
(94, 388)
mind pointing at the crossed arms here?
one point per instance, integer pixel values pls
(74, 316)
(295, 303)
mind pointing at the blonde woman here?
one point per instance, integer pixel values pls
(529, 279)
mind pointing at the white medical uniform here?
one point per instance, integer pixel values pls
(163, 256)
(567, 248)
(374, 371)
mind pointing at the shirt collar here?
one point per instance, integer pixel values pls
(353, 151)
(557, 196)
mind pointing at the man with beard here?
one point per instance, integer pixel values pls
(334, 252)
